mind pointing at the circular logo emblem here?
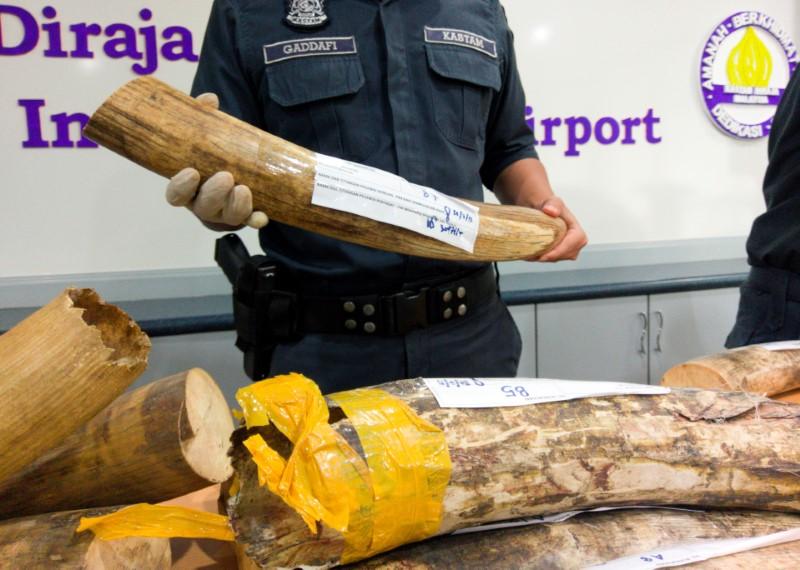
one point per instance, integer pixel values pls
(744, 70)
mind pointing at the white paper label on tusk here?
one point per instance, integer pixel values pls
(697, 551)
(782, 345)
(560, 517)
(504, 392)
(385, 197)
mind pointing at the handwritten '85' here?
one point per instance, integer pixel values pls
(515, 391)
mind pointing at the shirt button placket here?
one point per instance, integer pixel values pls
(401, 98)
(404, 116)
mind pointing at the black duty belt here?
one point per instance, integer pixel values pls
(267, 311)
(399, 313)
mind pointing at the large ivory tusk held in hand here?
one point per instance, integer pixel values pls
(165, 131)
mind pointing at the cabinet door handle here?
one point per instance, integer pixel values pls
(643, 337)
(660, 319)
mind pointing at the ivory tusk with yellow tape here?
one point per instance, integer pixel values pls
(321, 482)
(387, 495)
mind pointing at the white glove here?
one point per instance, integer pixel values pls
(219, 200)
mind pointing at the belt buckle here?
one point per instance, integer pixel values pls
(407, 311)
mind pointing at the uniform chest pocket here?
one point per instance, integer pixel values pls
(462, 83)
(320, 102)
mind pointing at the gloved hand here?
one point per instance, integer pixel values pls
(220, 203)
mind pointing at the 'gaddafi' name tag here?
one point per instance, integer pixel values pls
(291, 49)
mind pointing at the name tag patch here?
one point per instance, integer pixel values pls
(461, 38)
(292, 49)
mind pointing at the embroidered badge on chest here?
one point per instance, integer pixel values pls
(291, 49)
(306, 14)
(461, 38)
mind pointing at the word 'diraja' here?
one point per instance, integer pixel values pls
(83, 40)
(22, 32)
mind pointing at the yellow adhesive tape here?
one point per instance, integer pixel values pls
(158, 521)
(324, 479)
(394, 499)
(409, 465)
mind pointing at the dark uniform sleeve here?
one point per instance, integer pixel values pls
(775, 236)
(508, 137)
(221, 70)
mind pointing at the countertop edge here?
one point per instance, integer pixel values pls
(187, 315)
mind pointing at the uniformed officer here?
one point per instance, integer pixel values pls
(769, 306)
(427, 90)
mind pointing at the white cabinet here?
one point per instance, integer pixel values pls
(603, 339)
(687, 325)
(624, 338)
(632, 339)
(525, 317)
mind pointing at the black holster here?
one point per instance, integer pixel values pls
(264, 315)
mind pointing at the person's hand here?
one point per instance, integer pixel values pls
(574, 239)
(220, 203)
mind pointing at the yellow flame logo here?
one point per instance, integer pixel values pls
(750, 63)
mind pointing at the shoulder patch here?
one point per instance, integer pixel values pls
(292, 49)
(461, 38)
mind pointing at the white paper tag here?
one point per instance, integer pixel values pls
(697, 551)
(557, 518)
(504, 392)
(385, 197)
(783, 345)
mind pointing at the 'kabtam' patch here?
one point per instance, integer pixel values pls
(291, 49)
(461, 38)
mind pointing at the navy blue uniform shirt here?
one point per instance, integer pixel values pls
(427, 89)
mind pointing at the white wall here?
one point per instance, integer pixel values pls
(67, 211)
(71, 210)
(620, 58)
